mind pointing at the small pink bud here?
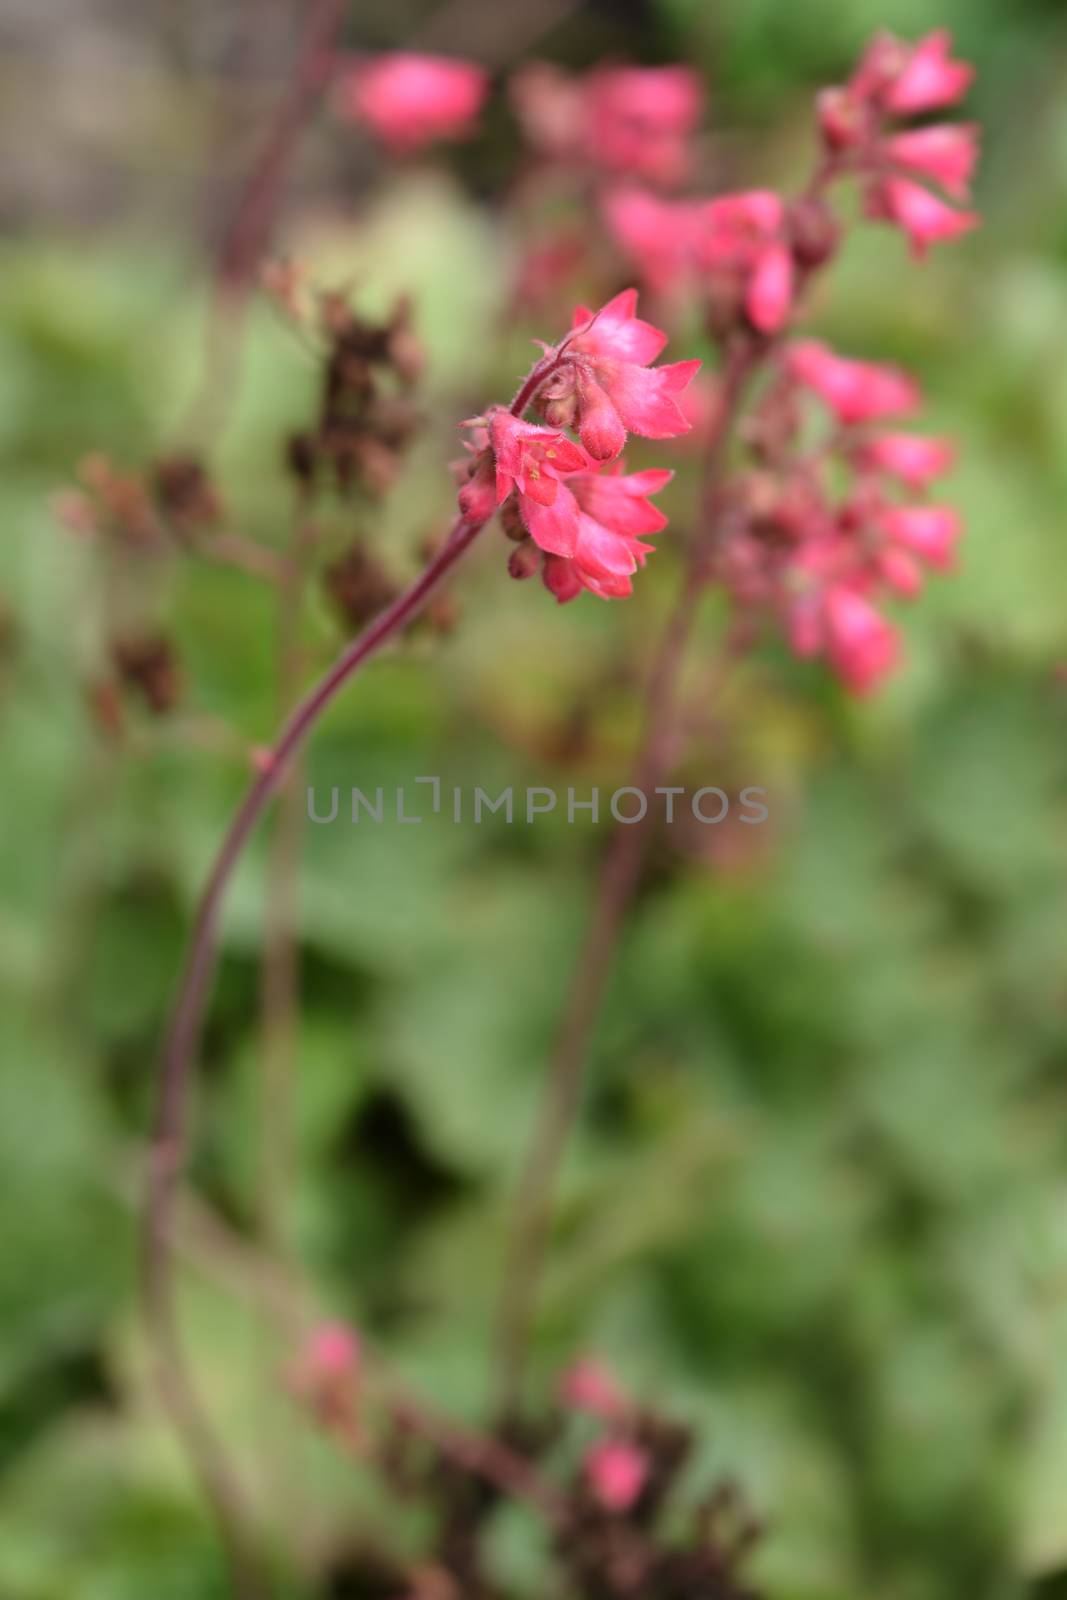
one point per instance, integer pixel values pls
(561, 413)
(325, 1373)
(524, 560)
(814, 232)
(617, 1472)
(333, 1351)
(561, 579)
(591, 1386)
(842, 120)
(477, 497)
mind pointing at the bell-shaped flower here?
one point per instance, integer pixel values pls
(604, 382)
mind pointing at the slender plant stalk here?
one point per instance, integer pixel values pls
(280, 973)
(167, 1155)
(255, 209)
(619, 878)
(168, 1150)
(258, 203)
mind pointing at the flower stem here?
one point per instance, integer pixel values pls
(280, 974)
(169, 1145)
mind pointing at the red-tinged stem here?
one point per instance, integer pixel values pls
(619, 878)
(168, 1151)
(251, 224)
(255, 210)
(280, 974)
(482, 1455)
(169, 1145)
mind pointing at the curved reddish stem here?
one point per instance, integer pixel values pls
(169, 1144)
(167, 1156)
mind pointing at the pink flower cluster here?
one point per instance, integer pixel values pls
(579, 519)
(749, 248)
(819, 558)
(860, 124)
(411, 100)
(632, 120)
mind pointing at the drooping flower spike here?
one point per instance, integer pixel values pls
(860, 126)
(821, 559)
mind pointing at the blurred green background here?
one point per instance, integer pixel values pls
(817, 1204)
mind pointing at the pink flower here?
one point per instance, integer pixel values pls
(857, 391)
(915, 460)
(591, 1387)
(530, 459)
(592, 533)
(604, 382)
(617, 1472)
(928, 78)
(658, 235)
(931, 532)
(640, 118)
(744, 235)
(410, 100)
(945, 154)
(924, 218)
(588, 524)
(863, 648)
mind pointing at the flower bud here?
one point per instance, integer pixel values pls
(477, 498)
(524, 560)
(511, 519)
(616, 1471)
(561, 413)
(602, 433)
(841, 119)
(814, 233)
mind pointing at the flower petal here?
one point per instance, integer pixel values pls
(554, 527)
(643, 396)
